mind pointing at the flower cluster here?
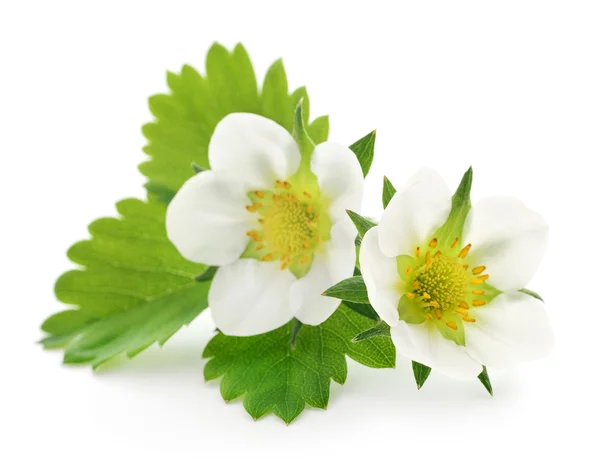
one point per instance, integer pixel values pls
(447, 278)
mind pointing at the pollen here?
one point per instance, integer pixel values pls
(478, 302)
(433, 243)
(418, 252)
(452, 325)
(454, 243)
(478, 270)
(260, 194)
(464, 251)
(443, 282)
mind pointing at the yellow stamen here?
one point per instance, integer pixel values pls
(410, 295)
(478, 292)
(466, 266)
(307, 195)
(462, 311)
(252, 233)
(438, 314)
(437, 254)
(426, 295)
(477, 281)
(285, 258)
(254, 207)
(433, 243)
(260, 194)
(427, 257)
(259, 247)
(261, 220)
(418, 252)
(267, 257)
(284, 266)
(468, 319)
(276, 197)
(478, 302)
(429, 316)
(484, 277)
(283, 184)
(464, 251)
(416, 285)
(463, 304)
(478, 270)
(304, 260)
(309, 209)
(307, 243)
(452, 325)
(434, 304)
(408, 270)
(454, 243)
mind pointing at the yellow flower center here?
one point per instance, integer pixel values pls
(291, 225)
(441, 287)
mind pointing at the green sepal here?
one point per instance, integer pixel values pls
(461, 204)
(382, 329)
(197, 168)
(362, 224)
(363, 309)
(305, 143)
(485, 380)
(388, 192)
(364, 149)
(352, 289)
(531, 293)
(421, 373)
(208, 274)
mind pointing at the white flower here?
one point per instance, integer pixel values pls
(274, 222)
(449, 286)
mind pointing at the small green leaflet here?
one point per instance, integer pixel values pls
(134, 288)
(421, 373)
(187, 117)
(364, 149)
(388, 192)
(361, 223)
(352, 289)
(271, 376)
(485, 380)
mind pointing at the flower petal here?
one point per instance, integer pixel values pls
(508, 238)
(340, 178)
(381, 277)
(207, 221)
(250, 297)
(329, 267)
(255, 148)
(414, 213)
(424, 344)
(514, 327)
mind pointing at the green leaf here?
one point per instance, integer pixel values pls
(352, 289)
(305, 144)
(531, 293)
(382, 329)
(271, 376)
(421, 373)
(388, 191)
(461, 204)
(132, 288)
(186, 117)
(362, 224)
(485, 380)
(364, 149)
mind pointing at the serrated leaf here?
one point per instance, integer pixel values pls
(388, 192)
(271, 376)
(421, 373)
(361, 223)
(352, 289)
(485, 380)
(133, 288)
(364, 149)
(382, 329)
(186, 117)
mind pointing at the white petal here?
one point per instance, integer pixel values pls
(424, 344)
(340, 178)
(255, 148)
(508, 238)
(250, 297)
(329, 267)
(380, 274)
(207, 220)
(514, 327)
(414, 213)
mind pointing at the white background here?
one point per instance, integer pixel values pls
(510, 87)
